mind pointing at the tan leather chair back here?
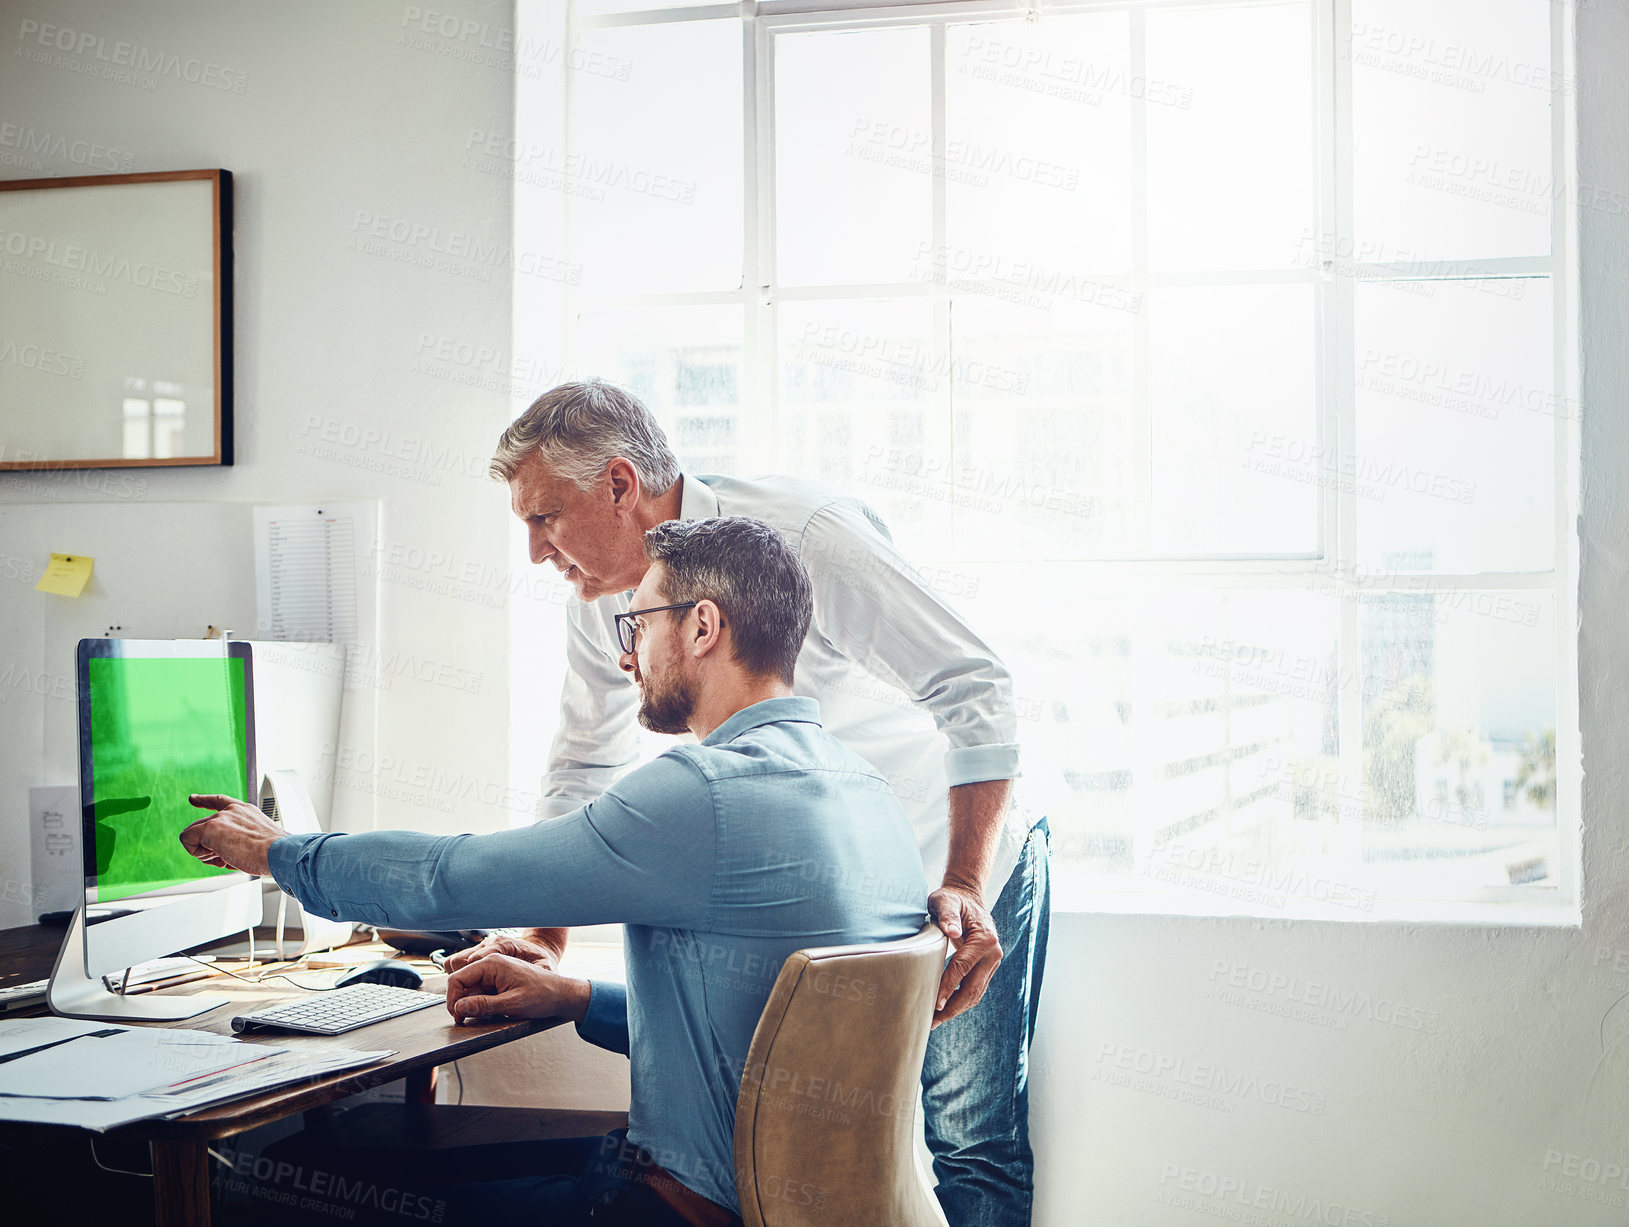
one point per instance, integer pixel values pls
(825, 1122)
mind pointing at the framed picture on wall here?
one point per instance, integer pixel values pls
(116, 321)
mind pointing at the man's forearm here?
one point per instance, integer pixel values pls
(552, 940)
(976, 813)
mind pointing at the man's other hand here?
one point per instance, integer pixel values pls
(498, 984)
(237, 835)
(502, 943)
(962, 915)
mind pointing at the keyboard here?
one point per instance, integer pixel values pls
(339, 1010)
(16, 996)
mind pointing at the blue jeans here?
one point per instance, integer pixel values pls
(568, 1182)
(975, 1080)
(608, 1188)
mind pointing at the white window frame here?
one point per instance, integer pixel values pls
(1331, 565)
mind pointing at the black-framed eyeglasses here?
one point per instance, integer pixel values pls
(627, 631)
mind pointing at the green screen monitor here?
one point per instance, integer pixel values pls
(159, 720)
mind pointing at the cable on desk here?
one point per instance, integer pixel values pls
(263, 976)
(119, 1171)
(272, 975)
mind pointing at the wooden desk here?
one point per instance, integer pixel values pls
(422, 1040)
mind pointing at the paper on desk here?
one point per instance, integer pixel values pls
(285, 1067)
(131, 1061)
(17, 1034)
(282, 1068)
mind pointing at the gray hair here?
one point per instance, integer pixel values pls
(751, 573)
(579, 428)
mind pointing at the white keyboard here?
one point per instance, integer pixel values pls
(339, 1010)
(16, 996)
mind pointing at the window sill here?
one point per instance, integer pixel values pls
(1100, 894)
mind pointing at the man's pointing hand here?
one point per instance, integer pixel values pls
(238, 835)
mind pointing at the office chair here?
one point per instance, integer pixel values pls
(825, 1121)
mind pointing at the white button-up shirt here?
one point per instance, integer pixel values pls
(900, 677)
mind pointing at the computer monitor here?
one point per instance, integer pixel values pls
(158, 721)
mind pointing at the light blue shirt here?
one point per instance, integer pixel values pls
(721, 857)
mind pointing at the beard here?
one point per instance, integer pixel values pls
(665, 704)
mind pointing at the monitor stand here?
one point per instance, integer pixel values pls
(75, 993)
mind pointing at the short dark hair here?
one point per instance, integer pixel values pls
(751, 573)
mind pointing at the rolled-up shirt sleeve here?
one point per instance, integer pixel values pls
(873, 606)
(597, 739)
(643, 853)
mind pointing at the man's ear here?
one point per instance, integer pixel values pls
(709, 630)
(623, 482)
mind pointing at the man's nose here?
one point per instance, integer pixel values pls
(538, 541)
(629, 662)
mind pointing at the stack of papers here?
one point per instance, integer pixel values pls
(97, 1075)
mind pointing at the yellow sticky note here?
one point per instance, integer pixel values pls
(66, 576)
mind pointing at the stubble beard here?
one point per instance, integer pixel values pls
(666, 707)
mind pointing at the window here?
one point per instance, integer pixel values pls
(1236, 336)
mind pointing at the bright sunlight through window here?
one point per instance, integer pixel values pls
(1215, 359)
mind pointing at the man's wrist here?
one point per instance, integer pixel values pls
(963, 886)
(575, 998)
(263, 853)
(551, 940)
(281, 855)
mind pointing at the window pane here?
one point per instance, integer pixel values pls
(655, 169)
(1237, 459)
(1041, 401)
(1456, 412)
(853, 156)
(685, 363)
(1230, 170)
(1072, 691)
(1458, 740)
(1233, 689)
(863, 388)
(1158, 730)
(1038, 126)
(1451, 104)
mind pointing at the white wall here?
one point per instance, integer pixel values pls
(367, 368)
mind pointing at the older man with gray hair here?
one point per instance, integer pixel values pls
(901, 679)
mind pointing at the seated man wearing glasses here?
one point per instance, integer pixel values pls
(722, 857)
